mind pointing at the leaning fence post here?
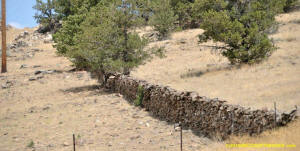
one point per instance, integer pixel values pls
(180, 125)
(74, 149)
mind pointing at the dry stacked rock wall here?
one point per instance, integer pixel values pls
(210, 117)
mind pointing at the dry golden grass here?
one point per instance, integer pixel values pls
(289, 135)
(85, 113)
(193, 67)
(190, 66)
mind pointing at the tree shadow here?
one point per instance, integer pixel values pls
(210, 69)
(83, 89)
(95, 89)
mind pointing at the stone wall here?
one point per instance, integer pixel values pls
(209, 117)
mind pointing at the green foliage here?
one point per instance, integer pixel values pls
(183, 9)
(105, 42)
(45, 14)
(241, 25)
(74, 13)
(65, 37)
(202, 6)
(65, 8)
(158, 51)
(290, 4)
(98, 35)
(139, 96)
(163, 20)
(30, 144)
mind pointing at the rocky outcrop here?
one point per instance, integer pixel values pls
(210, 117)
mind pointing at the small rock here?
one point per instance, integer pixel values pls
(66, 144)
(36, 50)
(147, 124)
(23, 66)
(21, 44)
(35, 78)
(32, 79)
(182, 41)
(38, 72)
(7, 84)
(22, 35)
(46, 108)
(48, 39)
(44, 72)
(135, 137)
(36, 66)
(50, 71)
(32, 109)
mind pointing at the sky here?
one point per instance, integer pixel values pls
(19, 13)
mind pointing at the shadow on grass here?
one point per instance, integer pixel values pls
(210, 69)
(94, 89)
(83, 89)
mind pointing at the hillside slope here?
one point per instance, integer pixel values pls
(197, 67)
(43, 102)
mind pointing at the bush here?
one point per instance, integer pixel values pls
(73, 12)
(183, 9)
(105, 43)
(242, 26)
(65, 38)
(30, 144)
(139, 96)
(163, 18)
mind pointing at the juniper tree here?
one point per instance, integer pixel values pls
(45, 14)
(242, 26)
(73, 13)
(163, 18)
(108, 42)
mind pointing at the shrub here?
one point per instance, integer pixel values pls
(183, 9)
(65, 8)
(30, 144)
(65, 38)
(105, 43)
(163, 18)
(139, 96)
(242, 26)
(73, 12)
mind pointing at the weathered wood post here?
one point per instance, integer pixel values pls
(3, 27)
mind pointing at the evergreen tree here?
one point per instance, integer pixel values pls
(163, 18)
(242, 26)
(45, 14)
(108, 42)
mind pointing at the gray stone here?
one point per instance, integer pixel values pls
(36, 78)
(48, 38)
(66, 144)
(23, 66)
(7, 85)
